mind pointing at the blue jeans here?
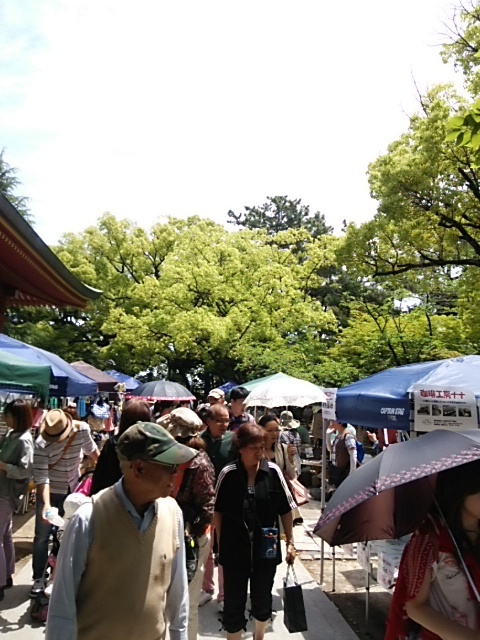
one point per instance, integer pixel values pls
(42, 533)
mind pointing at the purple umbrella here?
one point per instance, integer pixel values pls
(390, 495)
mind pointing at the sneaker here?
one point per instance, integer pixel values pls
(204, 598)
(38, 587)
(220, 606)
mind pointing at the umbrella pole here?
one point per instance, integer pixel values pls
(323, 496)
(333, 569)
(367, 596)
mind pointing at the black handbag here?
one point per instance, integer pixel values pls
(294, 617)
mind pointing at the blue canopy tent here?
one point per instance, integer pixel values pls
(64, 381)
(129, 382)
(384, 399)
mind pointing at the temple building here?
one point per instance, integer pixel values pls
(30, 273)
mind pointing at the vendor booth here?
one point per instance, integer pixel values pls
(65, 381)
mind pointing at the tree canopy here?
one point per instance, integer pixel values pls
(281, 213)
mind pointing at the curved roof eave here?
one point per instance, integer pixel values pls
(32, 240)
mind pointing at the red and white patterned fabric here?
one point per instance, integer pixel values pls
(431, 549)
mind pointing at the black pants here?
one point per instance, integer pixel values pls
(235, 585)
(336, 475)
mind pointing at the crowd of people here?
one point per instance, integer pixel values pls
(190, 489)
(175, 492)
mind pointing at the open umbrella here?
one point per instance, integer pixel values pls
(252, 384)
(158, 390)
(390, 495)
(383, 400)
(129, 382)
(285, 391)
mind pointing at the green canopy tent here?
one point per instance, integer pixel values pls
(254, 383)
(21, 376)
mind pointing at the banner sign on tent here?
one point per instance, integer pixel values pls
(444, 407)
(328, 410)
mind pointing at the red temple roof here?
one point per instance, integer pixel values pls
(30, 273)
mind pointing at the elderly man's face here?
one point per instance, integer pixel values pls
(218, 425)
(156, 479)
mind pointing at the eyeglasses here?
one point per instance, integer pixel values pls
(171, 468)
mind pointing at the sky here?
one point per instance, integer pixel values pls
(155, 108)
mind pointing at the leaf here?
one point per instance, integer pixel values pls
(464, 138)
(455, 122)
(452, 136)
(475, 142)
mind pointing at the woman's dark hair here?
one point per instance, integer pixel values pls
(72, 411)
(162, 405)
(134, 410)
(248, 434)
(21, 412)
(194, 442)
(266, 418)
(453, 486)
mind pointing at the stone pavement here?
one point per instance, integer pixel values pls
(324, 619)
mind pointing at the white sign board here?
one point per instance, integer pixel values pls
(328, 411)
(444, 407)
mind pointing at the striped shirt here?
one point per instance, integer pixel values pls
(63, 477)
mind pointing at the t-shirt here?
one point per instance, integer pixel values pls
(221, 451)
(236, 422)
(64, 475)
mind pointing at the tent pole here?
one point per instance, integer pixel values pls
(323, 496)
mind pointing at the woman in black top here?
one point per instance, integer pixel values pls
(107, 470)
(251, 495)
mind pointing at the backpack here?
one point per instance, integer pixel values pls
(360, 452)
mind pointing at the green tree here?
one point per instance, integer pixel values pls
(8, 185)
(228, 306)
(281, 213)
(378, 338)
(190, 300)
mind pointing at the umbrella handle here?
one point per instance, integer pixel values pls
(465, 568)
(459, 554)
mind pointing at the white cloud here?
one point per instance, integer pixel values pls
(153, 108)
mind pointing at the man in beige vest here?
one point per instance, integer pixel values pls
(121, 569)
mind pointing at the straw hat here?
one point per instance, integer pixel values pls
(181, 423)
(56, 426)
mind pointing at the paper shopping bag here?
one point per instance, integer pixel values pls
(294, 617)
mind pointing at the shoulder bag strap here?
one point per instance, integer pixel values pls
(65, 449)
(284, 446)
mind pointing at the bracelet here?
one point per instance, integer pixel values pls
(291, 544)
